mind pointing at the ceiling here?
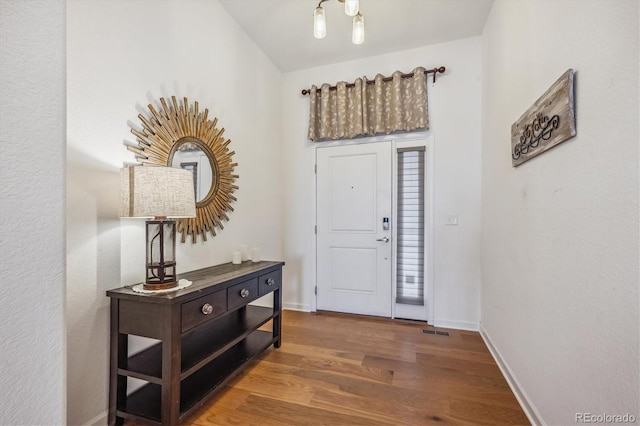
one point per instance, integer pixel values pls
(284, 28)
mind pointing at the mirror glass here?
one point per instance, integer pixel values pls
(190, 156)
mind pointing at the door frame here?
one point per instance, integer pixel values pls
(425, 139)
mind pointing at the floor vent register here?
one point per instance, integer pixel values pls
(438, 333)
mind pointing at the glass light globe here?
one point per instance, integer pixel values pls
(351, 7)
(319, 23)
(358, 29)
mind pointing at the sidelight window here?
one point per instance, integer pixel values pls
(410, 226)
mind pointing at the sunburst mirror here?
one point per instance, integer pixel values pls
(179, 135)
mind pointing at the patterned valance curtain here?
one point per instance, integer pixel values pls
(368, 108)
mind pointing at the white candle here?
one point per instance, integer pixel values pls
(245, 252)
(236, 258)
(255, 254)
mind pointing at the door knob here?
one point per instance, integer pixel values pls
(383, 239)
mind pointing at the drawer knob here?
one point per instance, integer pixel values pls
(270, 281)
(207, 309)
(244, 292)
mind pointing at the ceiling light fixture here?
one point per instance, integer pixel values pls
(351, 8)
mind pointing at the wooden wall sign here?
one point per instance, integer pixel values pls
(549, 121)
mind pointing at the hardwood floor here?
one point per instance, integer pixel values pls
(339, 369)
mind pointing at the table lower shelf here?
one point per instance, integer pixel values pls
(200, 345)
(145, 402)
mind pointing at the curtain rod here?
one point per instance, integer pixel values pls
(433, 71)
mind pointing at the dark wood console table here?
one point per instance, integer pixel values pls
(207, 333)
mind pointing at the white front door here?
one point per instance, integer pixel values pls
(354, 251)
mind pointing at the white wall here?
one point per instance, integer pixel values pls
(122, 55)
(560, 232)
(32, 235)
(455, 121)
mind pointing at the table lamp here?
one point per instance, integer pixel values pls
(158, 194)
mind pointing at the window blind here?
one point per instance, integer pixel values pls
(410, 227)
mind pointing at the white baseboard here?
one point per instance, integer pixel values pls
(525, 402)
(296, 307)
(99, 420)
(458, 325)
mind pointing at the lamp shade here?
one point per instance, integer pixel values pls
(153, 191)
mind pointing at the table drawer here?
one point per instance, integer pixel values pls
(243, 293)
(269, 282)
(203, 309)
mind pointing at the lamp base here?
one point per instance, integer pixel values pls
(161, 249)
(163, 286)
